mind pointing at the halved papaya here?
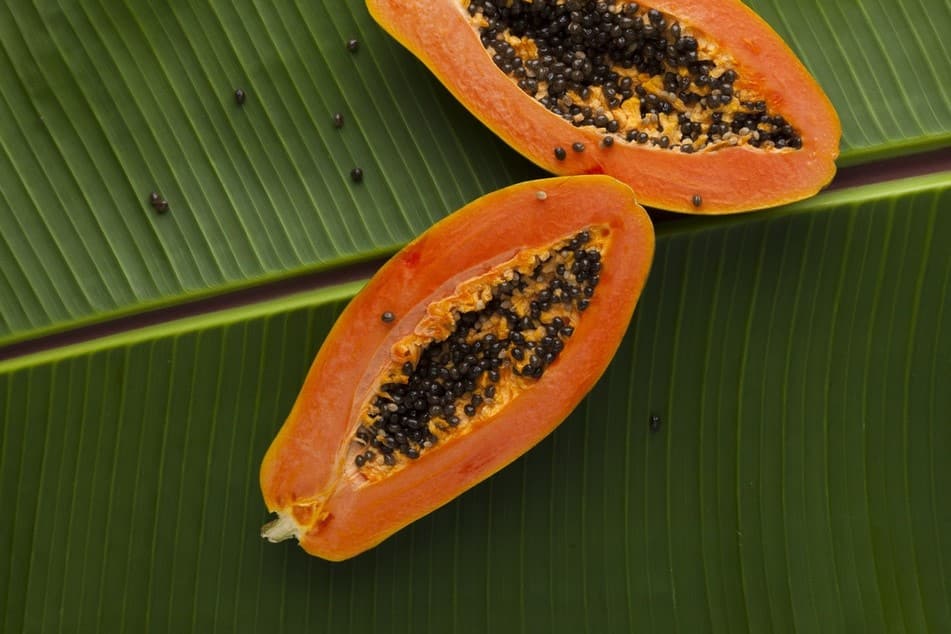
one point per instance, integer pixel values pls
(698, 105)
(463, 351)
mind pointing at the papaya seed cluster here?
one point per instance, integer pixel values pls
(489, 355)
(630, 71)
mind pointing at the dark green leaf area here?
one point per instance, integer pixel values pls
(797, 360)
(104, 105)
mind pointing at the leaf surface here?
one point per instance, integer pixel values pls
(102, 104)
(797, 360)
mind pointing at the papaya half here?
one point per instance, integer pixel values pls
(464, 350)
(698, 105)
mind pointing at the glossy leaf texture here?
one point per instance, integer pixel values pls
(882, 63)
(795, 480)
(102, 104)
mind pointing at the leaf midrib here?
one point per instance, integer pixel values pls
(888, 176)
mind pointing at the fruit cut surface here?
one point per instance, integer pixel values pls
(698, 105)
(466, 349)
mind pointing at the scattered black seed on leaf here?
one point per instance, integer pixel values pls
(240, 96)
(356, 174)
(654, 423)
(158, 202)
(338, 120)
(353, 45)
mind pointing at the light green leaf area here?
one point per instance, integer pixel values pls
(883, 63)
(102, 104)
(797, 359)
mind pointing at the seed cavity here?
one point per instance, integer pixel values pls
(623, 67)
(475, 350)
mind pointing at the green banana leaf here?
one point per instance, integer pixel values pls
(797, 359)
(797, 482)
(101, 105)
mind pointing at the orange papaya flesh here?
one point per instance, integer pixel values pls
(498, 320)
(697, 104)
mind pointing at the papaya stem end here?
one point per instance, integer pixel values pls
(279, 529)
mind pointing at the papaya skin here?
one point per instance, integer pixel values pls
(729, 179)
(306, 476)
